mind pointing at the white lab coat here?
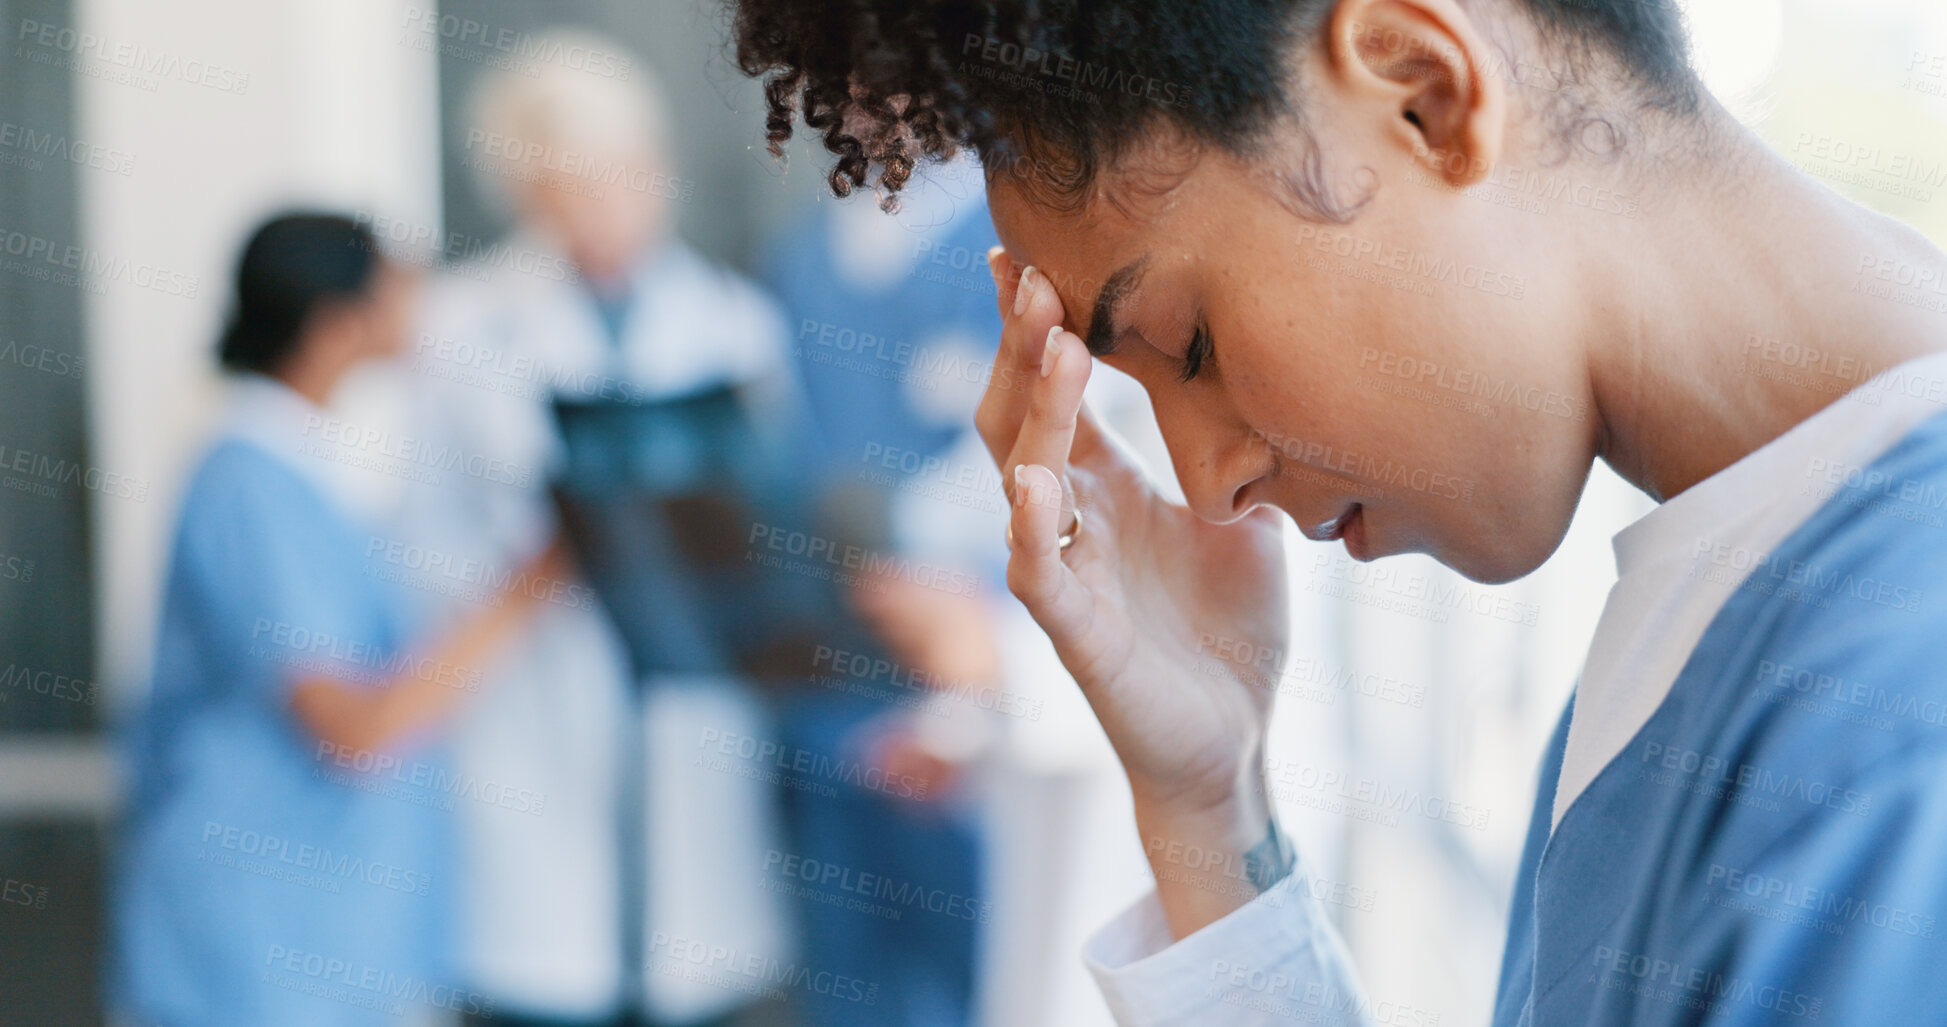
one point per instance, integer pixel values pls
(541, 898)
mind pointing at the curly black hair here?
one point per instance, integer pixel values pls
(1067, 86)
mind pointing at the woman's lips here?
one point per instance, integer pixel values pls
(1354, 533)
(1349, 525)
(1333, 529)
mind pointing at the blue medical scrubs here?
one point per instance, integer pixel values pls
(1768, 848)
(268, 878)
(863, 354)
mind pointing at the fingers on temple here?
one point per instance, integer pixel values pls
(1017, 364)
(1054, 403)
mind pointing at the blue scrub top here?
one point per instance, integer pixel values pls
(268, 878)
(1771, 846)
(862, 352)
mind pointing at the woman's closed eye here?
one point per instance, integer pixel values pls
(1197, 353)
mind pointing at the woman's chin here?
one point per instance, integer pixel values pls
(1489, 563)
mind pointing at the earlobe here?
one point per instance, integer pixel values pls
(1428, 66)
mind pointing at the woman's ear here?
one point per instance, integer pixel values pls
(1423, 66)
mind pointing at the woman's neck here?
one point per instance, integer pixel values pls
(1748, 298)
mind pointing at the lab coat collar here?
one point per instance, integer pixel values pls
(691, 325)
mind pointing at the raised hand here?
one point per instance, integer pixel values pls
(1139, 607)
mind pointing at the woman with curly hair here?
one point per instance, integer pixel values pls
(1243, 204)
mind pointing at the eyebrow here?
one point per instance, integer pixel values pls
(1104, 321)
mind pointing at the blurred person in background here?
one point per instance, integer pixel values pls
(893, 321)
(891, 347)
(283, 863)
(594, 345)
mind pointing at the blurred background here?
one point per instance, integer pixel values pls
(868, 794)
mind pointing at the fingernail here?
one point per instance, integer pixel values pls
(1024, 293)
(1020, 486)
(994, 263)
(1051, 351)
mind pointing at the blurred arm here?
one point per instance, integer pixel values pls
(362, 718)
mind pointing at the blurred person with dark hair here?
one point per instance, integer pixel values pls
(284, 861)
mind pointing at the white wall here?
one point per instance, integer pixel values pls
(328, 103)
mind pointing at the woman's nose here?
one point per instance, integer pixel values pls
(1218, 490)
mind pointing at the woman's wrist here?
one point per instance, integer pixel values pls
(1210, 859)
